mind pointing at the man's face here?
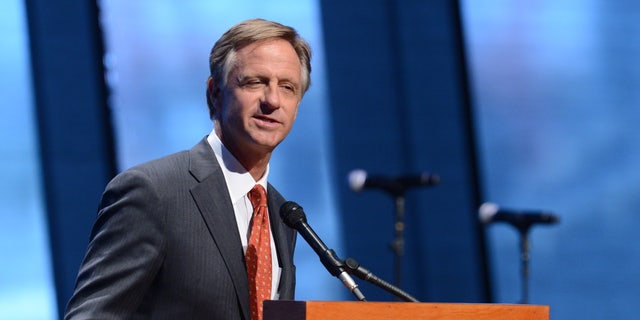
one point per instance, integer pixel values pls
(257, 107)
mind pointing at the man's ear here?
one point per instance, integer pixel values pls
(211, 90)
(213, 96)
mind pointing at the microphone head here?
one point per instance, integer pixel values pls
(487, 210)
(292, 214)
(357, 179)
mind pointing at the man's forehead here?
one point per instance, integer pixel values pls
(268, 56)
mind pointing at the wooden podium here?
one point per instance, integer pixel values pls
(355, 310)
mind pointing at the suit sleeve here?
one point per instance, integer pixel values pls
(125, 250)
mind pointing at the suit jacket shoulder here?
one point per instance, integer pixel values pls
(163, 245)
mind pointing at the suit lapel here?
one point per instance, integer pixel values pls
(284, 245)
(211, 197)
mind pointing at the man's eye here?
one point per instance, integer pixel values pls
(288, 87)
(253, 83)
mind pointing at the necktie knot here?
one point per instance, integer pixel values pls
(258, 196)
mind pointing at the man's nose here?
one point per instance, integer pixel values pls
(271, 97)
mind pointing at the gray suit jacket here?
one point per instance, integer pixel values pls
(165, 245)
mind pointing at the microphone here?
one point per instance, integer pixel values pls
(294, 217)
(491, 212)
(355, 268)
(359, 180)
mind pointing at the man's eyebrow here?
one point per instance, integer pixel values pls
(242, 78)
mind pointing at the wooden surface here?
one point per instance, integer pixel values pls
(330, 310)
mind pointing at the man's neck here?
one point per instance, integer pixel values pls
(254, 161)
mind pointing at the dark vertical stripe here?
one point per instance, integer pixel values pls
(74, 126)
(475, 178)
(400, 103)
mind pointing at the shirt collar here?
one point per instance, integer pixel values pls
(239, 180)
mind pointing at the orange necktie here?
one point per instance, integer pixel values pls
(258, 255)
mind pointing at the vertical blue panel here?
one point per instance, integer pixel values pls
(73, 125)
(399, 106)
(26, 284)
(157, 60)
(557, 87)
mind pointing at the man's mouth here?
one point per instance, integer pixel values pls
(266, 120)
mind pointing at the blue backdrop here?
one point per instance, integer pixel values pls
(556, 103)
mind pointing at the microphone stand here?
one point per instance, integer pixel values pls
(353, 267)
(522, 224)
(395, 187)
(524, 261)
(397, 245)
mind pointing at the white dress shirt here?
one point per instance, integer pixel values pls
(240, 182)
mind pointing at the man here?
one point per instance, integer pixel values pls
(174, 237)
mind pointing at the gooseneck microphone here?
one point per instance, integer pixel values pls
(491, 212)
(355, 268)
(294, 217)
(359, 180)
